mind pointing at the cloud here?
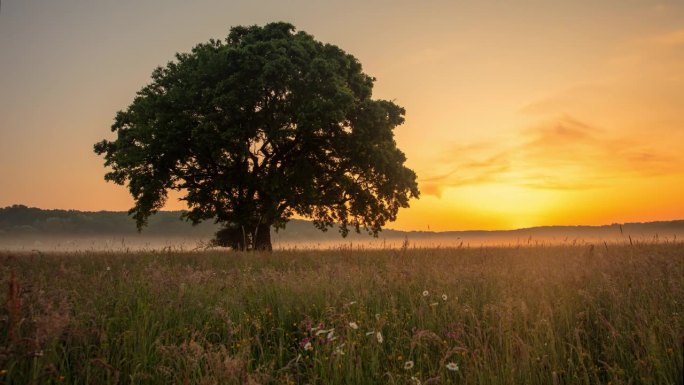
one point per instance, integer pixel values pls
(559, 154)
(630, 127)
(462, 165)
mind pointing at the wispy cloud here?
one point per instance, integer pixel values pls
(561, 154)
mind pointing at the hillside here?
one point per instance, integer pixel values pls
(22, 227)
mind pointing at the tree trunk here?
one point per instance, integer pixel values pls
(262, 238)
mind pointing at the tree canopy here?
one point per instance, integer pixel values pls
(256, 129)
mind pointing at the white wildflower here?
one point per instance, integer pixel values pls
(308, 346)
(378, 336)
(353, 325)
(452, 366)
(408, 365)
(425, 293)
(415, 380)
(444, 297)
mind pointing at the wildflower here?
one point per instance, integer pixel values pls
(305, 343)
(444, 297)
(425, 293)
(378, 336)
(408, 365)
(415, 380)
(109, 268)
(353, 325)
(452, 366)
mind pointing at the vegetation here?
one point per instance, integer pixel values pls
(21, 220)
(254, 130)
(528, 315)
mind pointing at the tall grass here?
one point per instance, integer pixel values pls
(532, 315)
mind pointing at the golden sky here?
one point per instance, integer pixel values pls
(519, 113)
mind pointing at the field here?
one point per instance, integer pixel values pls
(582, 314)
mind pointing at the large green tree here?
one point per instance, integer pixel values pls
(268, 124)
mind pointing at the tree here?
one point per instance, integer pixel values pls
(254, 130)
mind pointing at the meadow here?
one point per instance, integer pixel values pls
(566, 314)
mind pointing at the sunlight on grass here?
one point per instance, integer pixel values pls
(538, 315)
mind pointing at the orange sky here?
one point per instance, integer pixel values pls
(519, 114)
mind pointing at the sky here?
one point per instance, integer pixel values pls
(519, 113)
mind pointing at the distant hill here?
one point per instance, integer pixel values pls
(22, 220)
(21, 226)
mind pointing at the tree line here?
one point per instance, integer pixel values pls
(23, 220)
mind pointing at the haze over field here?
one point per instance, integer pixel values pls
(519, 114)
(31, 229)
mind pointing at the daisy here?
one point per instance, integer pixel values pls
(452, 366)
(425, 293)
(408, 365)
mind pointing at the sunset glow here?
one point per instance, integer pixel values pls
(518, 114)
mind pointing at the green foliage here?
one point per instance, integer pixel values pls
(268, 124)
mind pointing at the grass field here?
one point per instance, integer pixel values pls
(604, 314)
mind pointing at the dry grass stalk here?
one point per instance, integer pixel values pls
(13, 309)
